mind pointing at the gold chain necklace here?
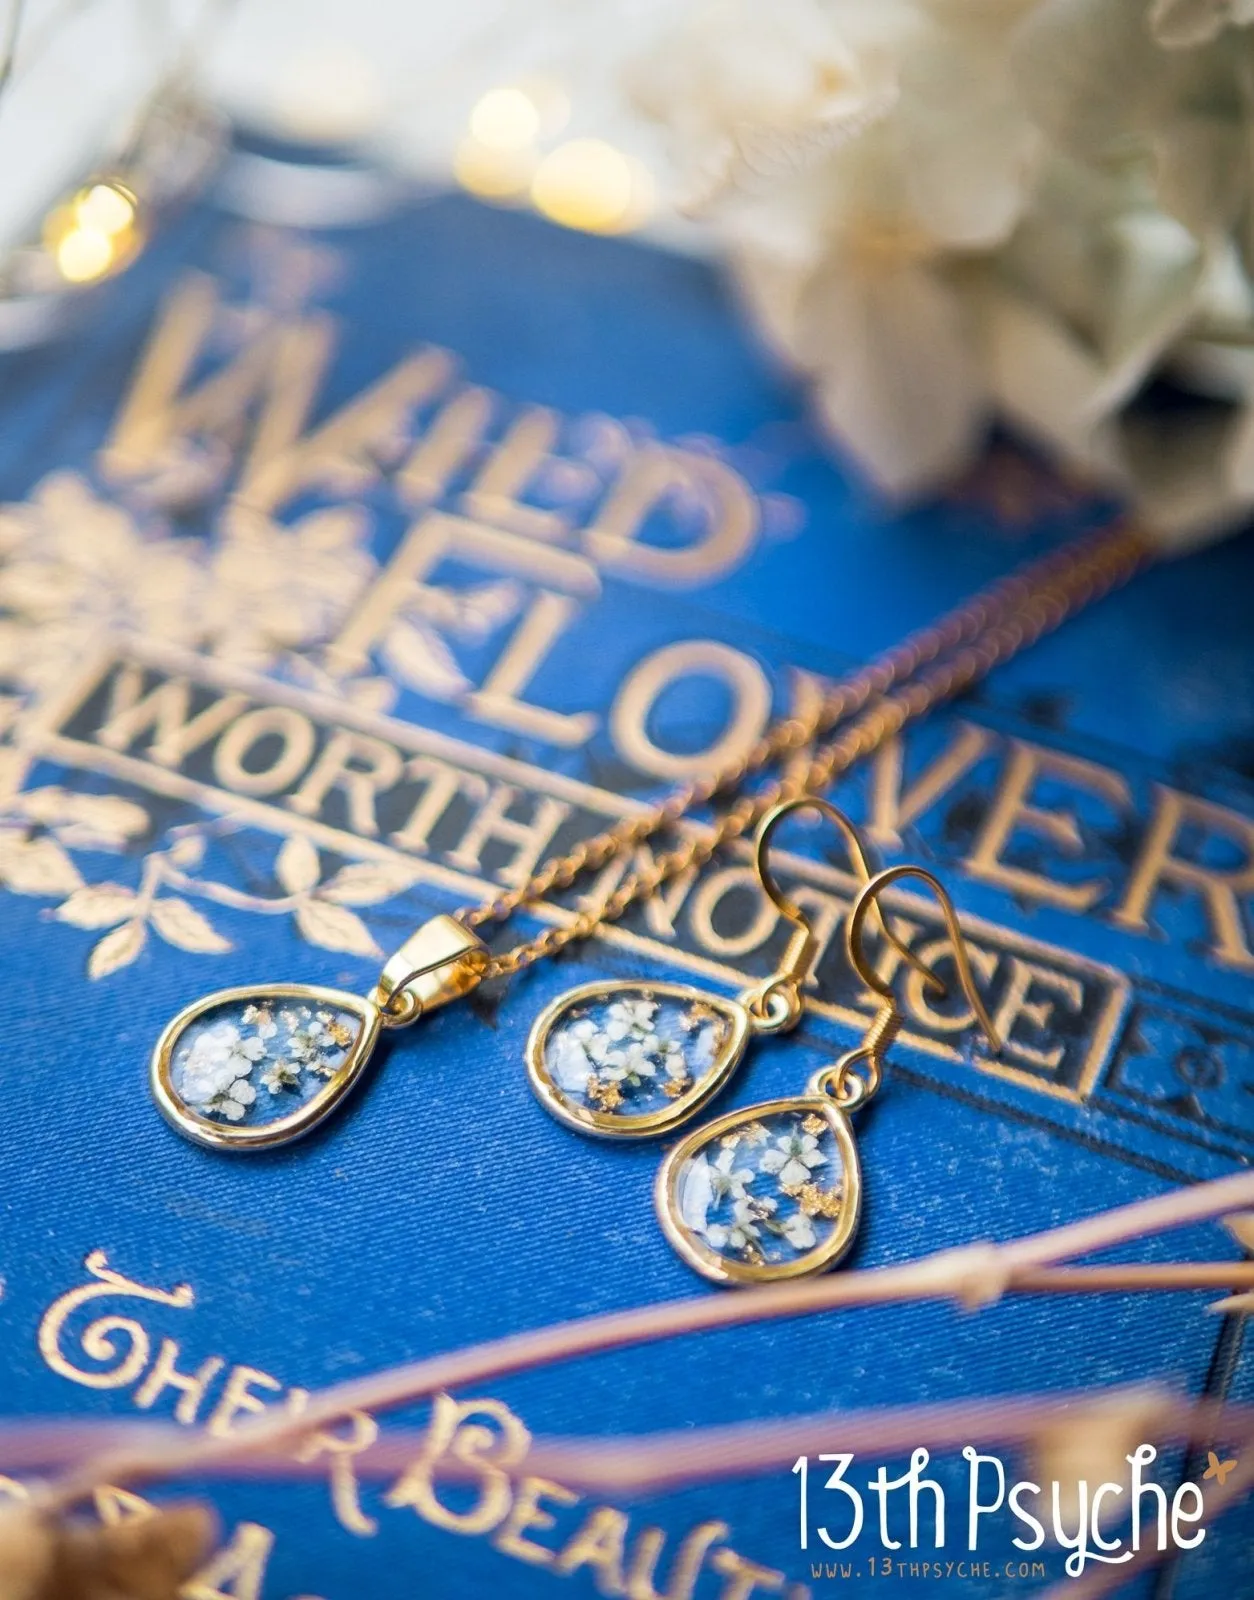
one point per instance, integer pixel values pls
(256, 1066)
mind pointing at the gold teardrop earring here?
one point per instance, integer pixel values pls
(634, 1059)
(775, 1191)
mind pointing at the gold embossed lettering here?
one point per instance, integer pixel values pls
(685, 1569)
(530, 839)
(894, 805)
(100, 1340)
(1011, 810)
(343, 454)
(379, 767)
(439, 536)
(490, 1453)
(494, 496)
(498, 699)
(295, 738)
(1017, 1006)
(442, 785)
(1221, 888)
(662, 906)
(114, 1505)
(241, 1565)
(238, 1398)
(598, 1544)
(191, 1387)
(165, 710)
(644, 685)
(340, 1450)
(656, 474)
(710, 893)
(159, 430)
(527, 1513)
(983, 964)
(447, 444)
(888, 963)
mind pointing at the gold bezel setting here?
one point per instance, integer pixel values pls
(644, 1125)
(282, 1130)
(718, 1268)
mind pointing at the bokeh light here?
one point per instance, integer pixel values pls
(96, 232)
(506, 119)
(589, 185)
(491, 172)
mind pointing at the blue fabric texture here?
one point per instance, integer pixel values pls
(1090, 808)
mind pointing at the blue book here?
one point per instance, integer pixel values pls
(350, 571)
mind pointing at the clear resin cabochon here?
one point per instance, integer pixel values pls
(630, 1060)
(250, 1068)
(763, 1194)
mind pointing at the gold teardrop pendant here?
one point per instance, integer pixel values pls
(632, 1060)
(250, 1068)
(763, 1194)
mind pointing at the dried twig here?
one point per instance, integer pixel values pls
(973, 1275)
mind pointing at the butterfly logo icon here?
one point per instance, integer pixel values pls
(1216, 1468)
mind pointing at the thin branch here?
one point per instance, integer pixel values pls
(703, 1455)
(973, 1275)
(679, 1458)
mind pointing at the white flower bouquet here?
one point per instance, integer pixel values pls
(951, 212)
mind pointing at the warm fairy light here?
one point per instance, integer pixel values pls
(83, 254)
(94, 233)
(505, 119)
(493, 173)
(589, 185)
(583, 183)
(105, 208)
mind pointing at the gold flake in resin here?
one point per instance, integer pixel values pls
(782, 1204)
(631, 1060)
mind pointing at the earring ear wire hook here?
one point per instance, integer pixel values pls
(849, 1087)
(867, 903)
(776, 1004)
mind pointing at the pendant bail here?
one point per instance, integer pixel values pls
(443, 961)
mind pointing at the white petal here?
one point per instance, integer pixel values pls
(1089, 71)
(1202, 172)
(794, 1174)
(799, 1231)
(1046, 381)
(968, 148)
(568, 1062)
(898, 383)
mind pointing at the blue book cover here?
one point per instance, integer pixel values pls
(350, 572)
